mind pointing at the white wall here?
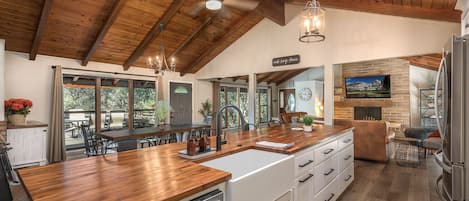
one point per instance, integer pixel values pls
(350, 37)
(33, 80)
(2, 79)
(419, 78)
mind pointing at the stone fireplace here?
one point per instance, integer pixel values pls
(367, 113)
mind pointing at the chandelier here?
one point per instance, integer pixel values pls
(159, 62)
(312, 23)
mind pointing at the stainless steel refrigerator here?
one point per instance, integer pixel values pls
(452, 114)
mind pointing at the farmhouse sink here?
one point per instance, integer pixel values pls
(256, 175)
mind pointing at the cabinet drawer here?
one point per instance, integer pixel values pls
(325, 173)
(346, 178)
(345, 140)
(304, 163)
(329, 193)
(304, 187)
(345, 158)
(326, 151)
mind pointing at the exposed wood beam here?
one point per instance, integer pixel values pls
(154, 32)
(194, 35)
(263, 77)
(292, 75)
(274, 10)
(277, 76)
(41, 26)
(380, 7)
(99, 38)
(218, 43)
(429, 61)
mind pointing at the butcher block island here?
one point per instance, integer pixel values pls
(319, 166)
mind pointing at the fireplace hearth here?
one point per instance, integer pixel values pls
(367, 113)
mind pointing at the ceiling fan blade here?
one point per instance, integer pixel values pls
(198, 7)
(242, 4)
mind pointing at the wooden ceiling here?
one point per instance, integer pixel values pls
(126, 32)
(442, 10)
(277, 77)
(428, 61)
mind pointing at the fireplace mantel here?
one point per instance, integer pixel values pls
(364, 103)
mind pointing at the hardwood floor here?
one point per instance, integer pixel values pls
(390, 182)
(373, 182)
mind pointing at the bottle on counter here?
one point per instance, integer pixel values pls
(191, 146)
(202, 144)
(207, 143)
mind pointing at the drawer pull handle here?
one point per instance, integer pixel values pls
(328, 151)
(44, 130)
(307, 178)
(347, 140)
(305, 164)
(348, 178)
(348, 157)
(330, 172)
(330, 198)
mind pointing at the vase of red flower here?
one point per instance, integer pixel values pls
(17, 109)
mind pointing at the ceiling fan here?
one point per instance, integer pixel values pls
(215, 5)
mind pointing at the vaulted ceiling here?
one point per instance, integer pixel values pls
(126, 32)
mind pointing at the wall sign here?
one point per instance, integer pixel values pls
(288, 60)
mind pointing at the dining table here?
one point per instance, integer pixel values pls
(151, 131)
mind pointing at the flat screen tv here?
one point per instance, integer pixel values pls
(368, 87)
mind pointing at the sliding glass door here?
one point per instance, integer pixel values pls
(115, 104)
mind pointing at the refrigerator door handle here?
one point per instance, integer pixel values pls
(439, 190)
(438, 77)
(439, 159)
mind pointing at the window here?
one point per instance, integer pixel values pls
(144, 104)
(238, 96)
(114, 104)
(80, 105)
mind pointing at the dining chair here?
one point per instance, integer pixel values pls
(93, 145)
(5, 192)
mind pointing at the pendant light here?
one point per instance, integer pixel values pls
(313, 20)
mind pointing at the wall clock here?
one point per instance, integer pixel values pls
(305, 94)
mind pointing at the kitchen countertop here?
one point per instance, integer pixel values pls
(155, 173)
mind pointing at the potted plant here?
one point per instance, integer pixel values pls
(16, 110)
(206, 111)
(308, 121)
(162, 110)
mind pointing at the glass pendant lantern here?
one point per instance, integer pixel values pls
(312, 25)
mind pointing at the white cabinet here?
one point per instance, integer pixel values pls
(28, 146)
(324, 170)
(304, 187)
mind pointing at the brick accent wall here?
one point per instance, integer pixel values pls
(399, 110)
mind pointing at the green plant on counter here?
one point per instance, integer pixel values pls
(308, 120)
(162, 109)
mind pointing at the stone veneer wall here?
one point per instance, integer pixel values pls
(399, 109)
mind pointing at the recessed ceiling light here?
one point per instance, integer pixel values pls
(213, 4)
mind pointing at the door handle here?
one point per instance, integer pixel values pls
(438, 77)
(441, 163)
(307, 178)
(330, 172)
(330, 198)
(438, 189)
(305, 164)
(348, 178)
(328, 151)
(348, 157)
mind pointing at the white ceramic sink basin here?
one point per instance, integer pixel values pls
(256, 175)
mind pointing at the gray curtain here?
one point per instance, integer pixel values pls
(56, 141)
